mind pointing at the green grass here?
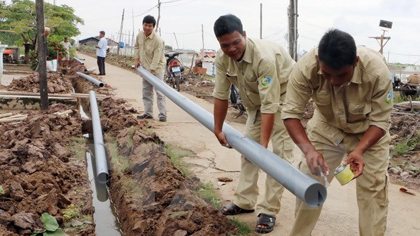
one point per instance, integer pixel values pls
(243, 229)
(130, 187)
(119, 162)
(207, 192)
(398, 98)
(78, 147)
(175, 154)
(406, 145)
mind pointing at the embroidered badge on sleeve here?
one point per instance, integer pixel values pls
(389, 97)
(265, 81)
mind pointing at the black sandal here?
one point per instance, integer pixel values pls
(266, 220)
(233, 209)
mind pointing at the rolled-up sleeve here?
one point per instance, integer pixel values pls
(268, 87)
(380, 116)
(222, 84)
(298, 94)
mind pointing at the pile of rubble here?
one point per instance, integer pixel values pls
(38, 173)
(56, 83)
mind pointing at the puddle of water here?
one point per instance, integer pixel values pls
(105, 215)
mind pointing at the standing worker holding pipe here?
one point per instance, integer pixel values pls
(150, 53)
(352, 93)
(260, 70)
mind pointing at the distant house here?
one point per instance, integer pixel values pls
(93, 41)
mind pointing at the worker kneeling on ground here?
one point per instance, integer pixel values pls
(260, 70)
(352, 92)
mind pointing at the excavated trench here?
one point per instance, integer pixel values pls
(146, 194)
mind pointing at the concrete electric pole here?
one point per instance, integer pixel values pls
(42, 53)
(293, 29)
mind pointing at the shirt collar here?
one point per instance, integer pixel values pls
(248, 52)
(151, 36)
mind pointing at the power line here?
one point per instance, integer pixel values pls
(147, 11)
(193, 32)
(278, 32)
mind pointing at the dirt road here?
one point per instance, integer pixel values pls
(340, 214)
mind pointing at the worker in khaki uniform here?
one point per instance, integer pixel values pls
(352, 92)
(150, 53)
(260, 70)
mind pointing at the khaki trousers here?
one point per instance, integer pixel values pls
(372, 186)
(148, 98)
(247, 190)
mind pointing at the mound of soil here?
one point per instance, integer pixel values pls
(39, 174)
(152, 197)
(75, 67)
(56, 83)
(165, 202)
(117, 116)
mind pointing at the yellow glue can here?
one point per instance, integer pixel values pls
(343, 174)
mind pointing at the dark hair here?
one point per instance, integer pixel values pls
(149, 20)
(337, 49)
(102, 32)
(227, 24)
(65, 38)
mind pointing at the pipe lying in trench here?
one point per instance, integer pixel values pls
(304, 187)
(79, 60)
(91, 79)
(98, 140)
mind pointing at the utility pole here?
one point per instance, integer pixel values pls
(121, 31)
(293, 31)
(132, 39)
(261, 20)
(202, 34)
(158, 19)
(380, 40)
(42, 57)
(176, 40)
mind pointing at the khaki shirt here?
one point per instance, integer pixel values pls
(151, 52)
(413, 79)
(261, 75)
(351, 108)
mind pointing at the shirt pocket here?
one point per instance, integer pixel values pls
(323, 103)
(358, 111)
(250, 95)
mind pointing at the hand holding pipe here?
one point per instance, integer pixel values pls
(301, 185)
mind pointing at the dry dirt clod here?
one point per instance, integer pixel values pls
(24, 220)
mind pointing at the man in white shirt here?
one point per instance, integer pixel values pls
(67, 45)
(101, 52)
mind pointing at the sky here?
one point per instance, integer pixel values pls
(185, 18)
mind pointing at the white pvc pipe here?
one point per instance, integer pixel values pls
(98, 139)
(91, 79)
(304, 187)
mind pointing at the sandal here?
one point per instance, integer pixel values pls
(266, 220)
(233, 209)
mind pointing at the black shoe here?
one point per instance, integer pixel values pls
(162, 119)
(145, 116)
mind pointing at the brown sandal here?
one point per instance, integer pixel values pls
(233, 209)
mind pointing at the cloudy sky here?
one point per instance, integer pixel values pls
(185, 17)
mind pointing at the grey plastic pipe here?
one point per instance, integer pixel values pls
(301, 185)
(91, 79)
(98, 141)
(80, 61)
